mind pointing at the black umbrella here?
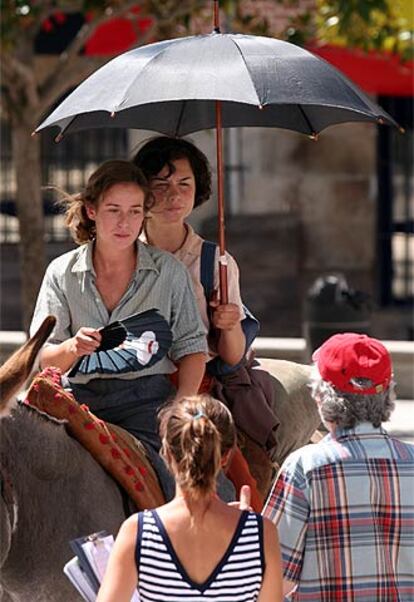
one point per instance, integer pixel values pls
(180, 86)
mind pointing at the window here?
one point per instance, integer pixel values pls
(66, 165)
(395, 223)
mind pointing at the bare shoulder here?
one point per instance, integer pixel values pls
(272, 583)
(268, 525)
(128, 531)
(271, 540)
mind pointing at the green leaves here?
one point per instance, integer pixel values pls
(366, 24)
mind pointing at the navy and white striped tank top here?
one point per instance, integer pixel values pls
(162, 578)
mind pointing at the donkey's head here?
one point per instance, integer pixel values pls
(16, 370)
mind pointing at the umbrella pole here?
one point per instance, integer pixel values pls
(220, 184)
(220, 207)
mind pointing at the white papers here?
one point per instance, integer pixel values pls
(97, 552)
(94, 550)
(79, 579)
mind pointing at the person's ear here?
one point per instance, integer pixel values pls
(90, 211)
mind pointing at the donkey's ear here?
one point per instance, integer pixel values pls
(16, 370)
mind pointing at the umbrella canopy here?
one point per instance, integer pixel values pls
(180, 86)
(172, 87)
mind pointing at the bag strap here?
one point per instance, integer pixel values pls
(208, 255)
(250, 325)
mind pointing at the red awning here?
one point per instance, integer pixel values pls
(376, 73)
(117, 35)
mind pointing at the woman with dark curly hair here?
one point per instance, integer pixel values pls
(180, 180)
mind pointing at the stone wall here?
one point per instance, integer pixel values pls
(308, 209)
(10, 278)
(267, 248)
(305, 208)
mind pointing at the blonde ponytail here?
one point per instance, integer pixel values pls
(196, 433)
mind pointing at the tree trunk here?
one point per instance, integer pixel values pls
(27, 162)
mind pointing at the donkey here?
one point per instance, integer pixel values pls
(53, 491)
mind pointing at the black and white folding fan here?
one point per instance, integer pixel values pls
(128, 345)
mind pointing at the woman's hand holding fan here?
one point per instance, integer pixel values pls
(128, 345)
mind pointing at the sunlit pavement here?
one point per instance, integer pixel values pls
(401, 424)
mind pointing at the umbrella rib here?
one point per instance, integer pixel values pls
(247, 69)
(143, 70)
(306, 118)
(63, 130)
(180, 118)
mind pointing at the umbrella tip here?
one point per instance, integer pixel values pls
(33, 134)
(113, 114)
(401, 130)
(59, 137)
(380, 120)
(216, 6)
(261, 107)
(314, 136)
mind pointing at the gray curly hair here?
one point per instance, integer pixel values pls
(346, 410)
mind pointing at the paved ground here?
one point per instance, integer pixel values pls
(401, 424)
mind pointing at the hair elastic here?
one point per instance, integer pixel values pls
(200, 414)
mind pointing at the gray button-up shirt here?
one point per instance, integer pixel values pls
(160, 281)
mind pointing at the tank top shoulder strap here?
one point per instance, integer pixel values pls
(138, 542)
(253, 530)
(261, 540)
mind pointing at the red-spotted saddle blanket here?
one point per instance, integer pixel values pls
(114, 448)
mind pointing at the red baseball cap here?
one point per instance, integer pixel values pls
(349, 356)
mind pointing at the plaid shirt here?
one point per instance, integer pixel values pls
(345, 514)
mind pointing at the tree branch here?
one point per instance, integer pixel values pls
(71, 53)
(70, 62)
(19, 76)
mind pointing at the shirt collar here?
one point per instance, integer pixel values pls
(361, 429)
(192, 242)
(145, 260)
(191, 245)
(84, 261)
